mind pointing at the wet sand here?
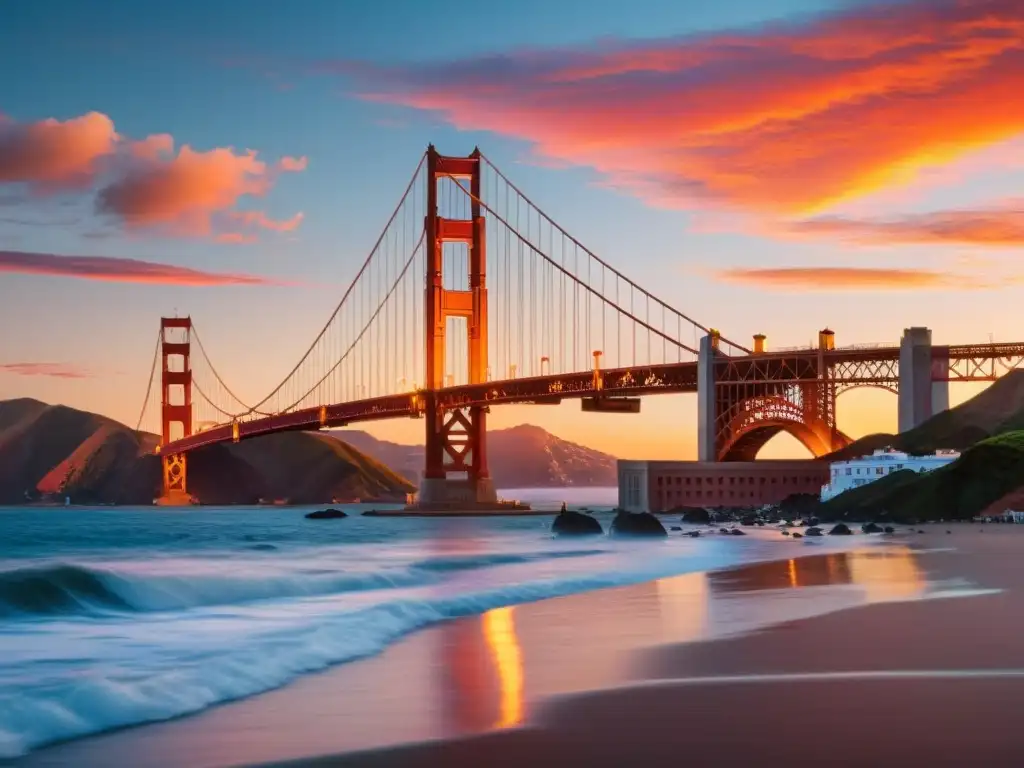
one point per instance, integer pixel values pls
(928, 682)
(515, 674)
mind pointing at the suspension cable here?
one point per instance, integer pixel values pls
(152, 375)
(597, 258)
(220, 380)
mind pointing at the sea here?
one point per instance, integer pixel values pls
(111, 617)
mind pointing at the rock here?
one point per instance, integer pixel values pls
(812, 522)
(724, 530)
(920, 531)
(675, 528)
(799, 535)
(694, 534)
(571, 523)
(748, 521)
(697, 516)
(870, 528)
(812, 531)
(840, 529)
(948, 531)
(785, 533)
(637, 524)
(890, 529)
(737, 532)
(325, 514)
(760, 522)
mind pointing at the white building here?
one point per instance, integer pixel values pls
(853, 473)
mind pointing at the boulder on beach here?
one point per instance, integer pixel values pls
(325, 514)
(637, 524)
(890, 529)
(738, 532)
(840, 529)
(785, 533)
(799, 535)
(696, 516)
(675, 528)
(870, 528)
(812, 531)
(693, 534)
(571, 523)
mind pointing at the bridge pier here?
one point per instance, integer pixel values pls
(707, 401)
(923, 382)
(175, 377)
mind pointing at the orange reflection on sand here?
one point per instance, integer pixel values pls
(889, 575)
(684, 603)
(500, 635)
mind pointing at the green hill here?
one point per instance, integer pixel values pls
(998, 409)
(52, 451)
(985, 473)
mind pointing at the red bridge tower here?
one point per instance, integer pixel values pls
(175, 372)
(456, 451)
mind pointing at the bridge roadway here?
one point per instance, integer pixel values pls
(859, 366)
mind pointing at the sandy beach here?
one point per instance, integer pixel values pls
(845, 658)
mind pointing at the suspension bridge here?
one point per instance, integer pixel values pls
(474, 297)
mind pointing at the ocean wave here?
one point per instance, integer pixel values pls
(42, 713)
(67, 589)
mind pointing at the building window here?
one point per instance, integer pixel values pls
(849, 471)
(879, 470)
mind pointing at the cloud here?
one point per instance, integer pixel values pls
(261, 220)
(55, 370)
(985, 227)
(119, 270)
(141, 184)
(788, 119)
(49, 155)
(848, 279)
(293, 164)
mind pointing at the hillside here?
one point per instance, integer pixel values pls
(519, 457)
(981, 479)
(50, 451)
(998, 409)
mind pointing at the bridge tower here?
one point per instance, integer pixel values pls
(923, 378)
(175, 373)
(456, 439)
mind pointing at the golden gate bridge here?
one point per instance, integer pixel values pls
(474, 297)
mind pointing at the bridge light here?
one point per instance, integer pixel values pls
(759, 343)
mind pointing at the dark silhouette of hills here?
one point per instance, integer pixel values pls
(52, 451)
(998, 409)
(525, 456)
(986, 479)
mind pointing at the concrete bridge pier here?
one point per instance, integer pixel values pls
(921, 393)
(706, 398)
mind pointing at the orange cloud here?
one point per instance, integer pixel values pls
(56, 370)
(261, 220)
(51, 154)
(782, 119)
(119, 270)
(293, 163)
(847, 279)
(143, 183)
(987, 227)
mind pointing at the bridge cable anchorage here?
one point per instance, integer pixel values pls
(350, 292)
(149, 386)
(578, 283)
(602, 262)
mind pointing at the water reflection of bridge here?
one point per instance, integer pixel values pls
(492, 666)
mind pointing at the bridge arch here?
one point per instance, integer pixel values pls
(750, 424)
(842, 389)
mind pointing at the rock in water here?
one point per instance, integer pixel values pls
(570, 523)
(693, 534)
(697, 516)
(812, 531)
(870, 528)
(737, 532)
(840, 529)
(800, 535)
(890, 529)
(325, 514)
(637, 524)
(785, 533)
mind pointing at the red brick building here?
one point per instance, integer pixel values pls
(660, 486)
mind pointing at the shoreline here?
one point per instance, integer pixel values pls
(870, 686)
(309, 712)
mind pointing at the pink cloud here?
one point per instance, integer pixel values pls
(849, 279)
(293, 164)
(119, 270)
(55, 370)
(789, 119)
(51, 154)
(261, 220)
(143, 184)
